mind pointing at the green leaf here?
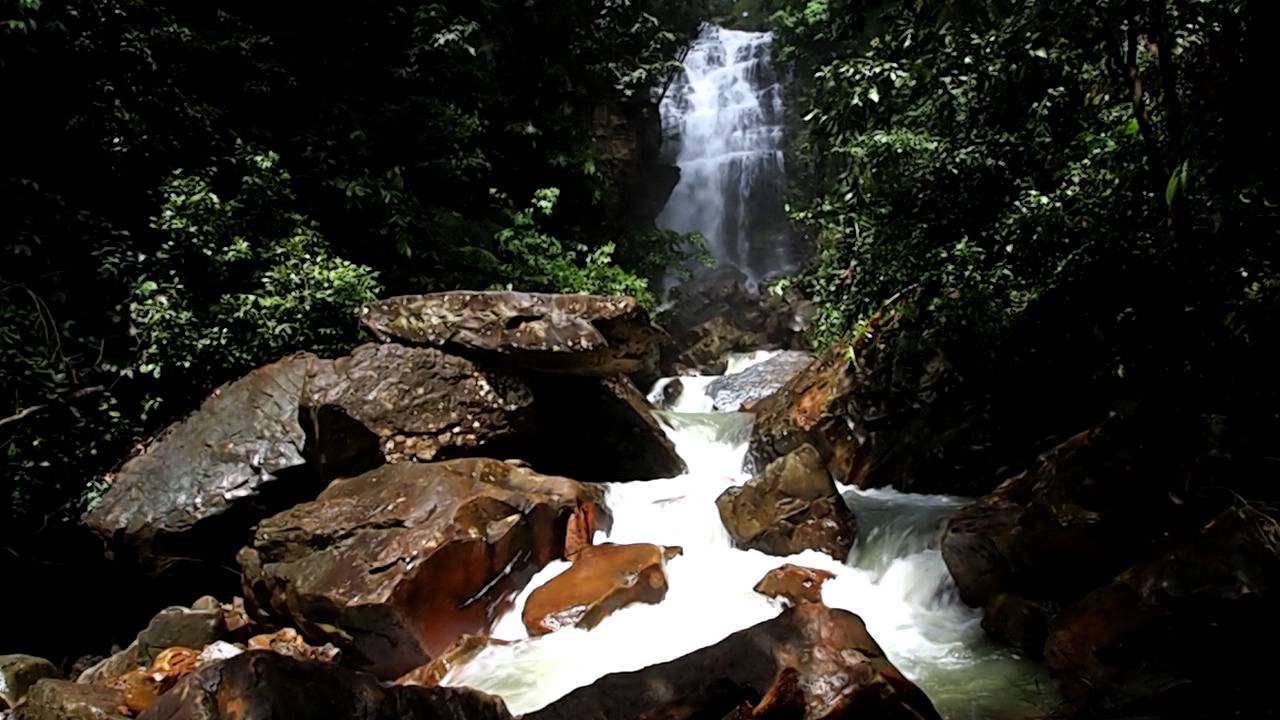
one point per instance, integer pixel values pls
(1132, 127)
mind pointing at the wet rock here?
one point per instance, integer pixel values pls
(740, 391)
(260, 684)
(710, 344)
(276, 436)
(603, 579)
(1154, 641)
(593, 335)
(670, 393)
(182, 627)
(1087, 510)
(140, 689)
(289, 642)
(116, 665)
(795, 583)
(18, 673)
(394, 565)
(597, 430)
(792, 506)
(65, 700)
(810, 662)
(1018, 622)
(466, 648)
(810, 408)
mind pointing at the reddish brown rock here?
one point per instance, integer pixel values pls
(795, 583)
(396, 564)
(603, 579)
(288, 642)
(810, 662)
(594, 335)
(467, 647)
(1157, 640)
(260, 684)
(792, 506)
(140, 689)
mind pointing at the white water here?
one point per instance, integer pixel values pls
(723, 126)
(895, 579)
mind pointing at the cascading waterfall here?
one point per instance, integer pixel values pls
(723, 127)
(895, 579)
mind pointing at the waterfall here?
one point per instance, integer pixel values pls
(723, 127)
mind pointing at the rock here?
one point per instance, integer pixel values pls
(740, 391)
(809, 409)
(710, 344)
(603, 579)
(260, 684)
(795, 583)
(595, 335)
(1157, 640)
(141, 688)
(184, 627)
(1087, 510)
(466, 648)
(120, 663)
(217, 652)
(65, 700)
(276, 436)
(394, 565)
(670, 393)
(817, 663)
(207, 602)
(597, 430)
(1018, 622)
(18, 673)
(792, 506)
(289, 642)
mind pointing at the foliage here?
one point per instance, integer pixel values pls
(1070, 201)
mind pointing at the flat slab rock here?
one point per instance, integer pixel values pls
(394, 565)
(810, 663)
(263, 684)
(603, 579)
(575, 334)
(277, 435)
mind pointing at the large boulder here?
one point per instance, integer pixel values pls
(261, 684)
(66, 700)
(181, 627)
(1164, 638)
(18, 673)
(597, 430)
(278, 435)
(792, 506)
(603, 578)
(394, 565)
(810, 662)
(741, 390)
(593, 335)
(1090, 508)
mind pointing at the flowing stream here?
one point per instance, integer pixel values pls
(894, 579)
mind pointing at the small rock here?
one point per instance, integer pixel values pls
(18, 673)
(603, 579)
(181, 627)
(217, 652)
(289, 642)
(119, 664)
(795, 583)
(208, 602)
(65, 700)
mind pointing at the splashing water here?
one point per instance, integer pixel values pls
(895, 579)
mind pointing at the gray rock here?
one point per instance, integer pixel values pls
(65, 700)
(109, 669)
(732, 393)
(18, 673)
(592, 335)
(181, 627)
